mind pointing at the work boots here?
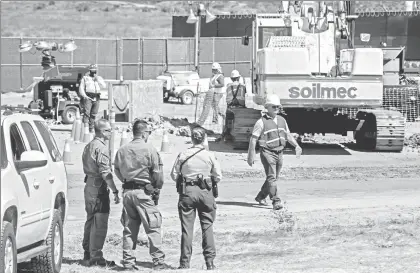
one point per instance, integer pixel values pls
(210, 265)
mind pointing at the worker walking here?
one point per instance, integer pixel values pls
(197, 172)
(89, 90)
(98, 179)
(139, 166)
(271, 131)
(235, 97)
(213, 95)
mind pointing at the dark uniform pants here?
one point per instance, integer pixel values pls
(272, 163)
(139, 209)
(97, 205)
(90, 110)
(196, 199)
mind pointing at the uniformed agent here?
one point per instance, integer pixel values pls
(235, 97)
(139, 166)
(271, 131)
(98, 179)
(197, 173)
(89, 90)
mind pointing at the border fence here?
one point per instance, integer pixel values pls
(131, 58)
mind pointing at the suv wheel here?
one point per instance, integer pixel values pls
(50, 262)
(69, 115)
(187, 97)
(8, 254)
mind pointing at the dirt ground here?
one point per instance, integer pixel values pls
(346, 211)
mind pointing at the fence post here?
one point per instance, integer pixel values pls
(21, 65)
(142, 58)
(97, 52)
(138, 58)
(116, 59)
(234, 52)
(212, 49)
(166, 55)
(121, 51)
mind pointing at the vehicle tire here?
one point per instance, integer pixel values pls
(50, 262)
(8, 255)
(69, 114)
(187, 97)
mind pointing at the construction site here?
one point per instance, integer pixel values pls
(350, 200)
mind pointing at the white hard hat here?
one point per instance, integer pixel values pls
(235, 74)
(272, 100)
(216, 66)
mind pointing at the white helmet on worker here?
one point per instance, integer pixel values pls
(93, 67)
(272, 99)
(235, 74)
(216, 66)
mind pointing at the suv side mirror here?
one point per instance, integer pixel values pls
(31, 159)
(245, 40)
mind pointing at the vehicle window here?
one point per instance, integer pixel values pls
(18, 146)
(49, 140)
(3, 151)
(32, 138)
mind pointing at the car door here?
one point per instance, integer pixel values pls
(45, 185)
(27, 190)
(57, 176)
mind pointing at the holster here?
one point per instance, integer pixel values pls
(202, 183)
(215, 189)
(180, 184)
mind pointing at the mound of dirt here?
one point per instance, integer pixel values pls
(413, 141)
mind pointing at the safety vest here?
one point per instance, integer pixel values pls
(235, 94)
(214, 81)
(90, 85)
(274, 135)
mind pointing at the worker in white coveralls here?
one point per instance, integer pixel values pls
(213, 96)
(271, 131)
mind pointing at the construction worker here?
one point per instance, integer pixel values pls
(213, 95)
(98, 179)
(89, 91)
(197, 172)
(271, 131)
(235, 97)
(139, 166)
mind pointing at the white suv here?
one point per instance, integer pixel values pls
(33, 195)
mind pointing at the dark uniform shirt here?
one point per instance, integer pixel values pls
(139, 161)
(95, 159)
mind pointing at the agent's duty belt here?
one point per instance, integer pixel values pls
(195, 182)
(131, 185)
(92, 94)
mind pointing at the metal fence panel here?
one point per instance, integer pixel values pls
(9, 51)
(107, 52)
(206, 50)
(130, 72)
(28, 72)
(179, 51)
(152, 71)
(223, 50)
(10, 78)
(154, 51)
(242, 53)
(86, 52)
